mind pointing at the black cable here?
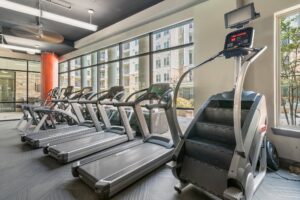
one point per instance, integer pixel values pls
(282, 177)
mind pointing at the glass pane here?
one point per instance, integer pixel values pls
(75, 63)
(7, 86)
(34, 66)
(168, 66)
(290, 71)
(34, 87)
(109, 54)
(87, 60)
(8, 107)
(135, 47)
(108, 75)
(184, 117)
(75, 79)
(135, 74)
(94, 58)
(174, 36)
(21, 86)
(63, 67)
(14, 64)
(89, 77)
(10, 111)
(63, 80)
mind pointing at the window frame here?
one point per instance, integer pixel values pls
(25, 70)
(278, 129)
(163, 32)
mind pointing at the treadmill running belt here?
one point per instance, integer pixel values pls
(77, 145)
(57, 133)
(121, 162)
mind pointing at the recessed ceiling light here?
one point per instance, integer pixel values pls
(91, 11)
(31, 52)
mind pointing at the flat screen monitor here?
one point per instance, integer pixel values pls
(241, 16)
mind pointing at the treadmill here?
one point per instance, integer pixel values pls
(108, 173)
(45, 117)
(97, 141)
(28, 114)
(83, 129)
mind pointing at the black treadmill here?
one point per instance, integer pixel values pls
(111, 171)
(97, 141)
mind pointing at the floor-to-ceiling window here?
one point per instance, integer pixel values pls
(109, 67)
(289, 64)
(157, 57)
(172, 56)
(89, 71)
(135, 64)
(63, 75)
(34, 81)
(19, 83)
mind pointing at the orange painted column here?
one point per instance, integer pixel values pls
(49, 73)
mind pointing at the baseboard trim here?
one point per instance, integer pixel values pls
(286, 163)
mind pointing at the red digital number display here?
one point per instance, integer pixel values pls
(239, 35)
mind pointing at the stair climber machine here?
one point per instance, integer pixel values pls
(223, 151)
(116, 168)
(84, 127)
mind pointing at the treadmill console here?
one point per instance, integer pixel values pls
(159, 88)
(237, 41)
(68, 91)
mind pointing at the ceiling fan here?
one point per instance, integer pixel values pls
(37, 31)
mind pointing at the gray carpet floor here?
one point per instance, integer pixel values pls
(27, 174)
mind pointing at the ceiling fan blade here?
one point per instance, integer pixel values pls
(19, 30)
(37, 33)
(52, 37)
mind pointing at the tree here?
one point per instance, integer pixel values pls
(290, 65)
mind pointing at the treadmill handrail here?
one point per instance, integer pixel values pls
(159, 104)
(105, 91)
(81, 93)
(132, 94)
(122, 93)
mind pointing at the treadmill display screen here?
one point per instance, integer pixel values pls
(159, 88)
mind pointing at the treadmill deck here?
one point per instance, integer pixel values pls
(68, 151)
(123, 168)
(42, 139)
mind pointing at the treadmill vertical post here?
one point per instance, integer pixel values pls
(141, 121)
(103, 115)
(126, 123)
(77, 111)
(93, 115)
(172, 127)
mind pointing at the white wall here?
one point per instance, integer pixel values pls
(209, 33)
(217, 76)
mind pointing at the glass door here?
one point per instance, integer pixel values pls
(7, 91)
